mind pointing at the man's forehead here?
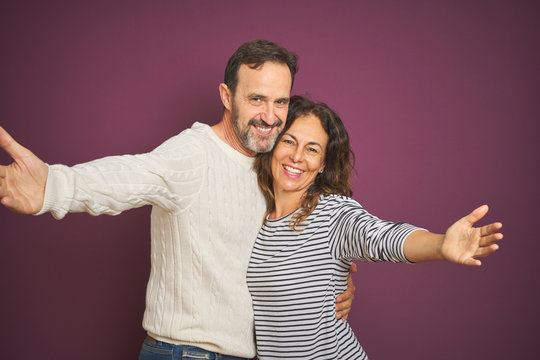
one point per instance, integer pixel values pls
(268, 74)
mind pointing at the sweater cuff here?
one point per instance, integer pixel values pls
(56, 184)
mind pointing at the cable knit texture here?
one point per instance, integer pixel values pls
(207, 210)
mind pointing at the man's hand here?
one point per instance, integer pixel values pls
(344, 301)
(463, 243)
(22, 183)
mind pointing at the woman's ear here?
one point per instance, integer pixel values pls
(225, 95)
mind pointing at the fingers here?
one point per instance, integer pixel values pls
(486, 251)
(489, 234)
(343, 308)
(344, 300)
(14, 149)
(5, 195)
(348, 294)
(7, 202)
(472, 262)
(476, 215)
(344, 318)
(490, 239)
(490, 229)
(3, 188)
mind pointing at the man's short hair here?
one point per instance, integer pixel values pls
(254, 54)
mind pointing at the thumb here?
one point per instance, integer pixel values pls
(13, 148)
(476, 215)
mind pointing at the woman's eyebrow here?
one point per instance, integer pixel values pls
(309, 143)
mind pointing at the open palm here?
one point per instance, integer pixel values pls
(464, 243)
(22, 183)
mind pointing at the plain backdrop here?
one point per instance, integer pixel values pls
(441, 99)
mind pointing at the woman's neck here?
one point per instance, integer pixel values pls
(285, 203)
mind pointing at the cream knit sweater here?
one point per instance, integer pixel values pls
(207, 210)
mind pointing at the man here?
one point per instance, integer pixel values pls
(206, 212)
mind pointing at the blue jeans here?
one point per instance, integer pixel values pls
(159, 350)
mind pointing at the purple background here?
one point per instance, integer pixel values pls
(441, 99)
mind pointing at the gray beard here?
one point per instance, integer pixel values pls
(249, 139)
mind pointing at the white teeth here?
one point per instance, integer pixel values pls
(264, 129)
(292, 170)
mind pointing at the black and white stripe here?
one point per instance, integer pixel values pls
(295, 276)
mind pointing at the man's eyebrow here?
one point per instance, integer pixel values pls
(254, 95)
(264, 97)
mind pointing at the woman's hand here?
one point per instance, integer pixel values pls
(463, 243)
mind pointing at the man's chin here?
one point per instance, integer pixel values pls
(262, 145)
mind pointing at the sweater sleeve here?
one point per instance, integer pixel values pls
(168, 177)
(356, 234)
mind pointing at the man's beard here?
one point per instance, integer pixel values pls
(249, 139)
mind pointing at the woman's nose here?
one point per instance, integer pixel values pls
(297, 155)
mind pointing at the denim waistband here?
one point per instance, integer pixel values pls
(178, 352)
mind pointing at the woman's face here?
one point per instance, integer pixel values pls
(299, 155)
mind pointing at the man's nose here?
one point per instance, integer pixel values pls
(268, 114)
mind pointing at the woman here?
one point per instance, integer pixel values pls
(313, 230)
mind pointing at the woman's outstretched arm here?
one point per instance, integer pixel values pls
(462, 244)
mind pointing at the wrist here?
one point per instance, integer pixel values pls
(440, 253)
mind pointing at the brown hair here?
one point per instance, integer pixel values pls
(255, 53)
(339, 158)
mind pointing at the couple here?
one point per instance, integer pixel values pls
(207, 212)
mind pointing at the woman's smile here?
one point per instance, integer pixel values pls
(292, 171)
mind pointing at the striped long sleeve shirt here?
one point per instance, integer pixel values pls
(295, 276)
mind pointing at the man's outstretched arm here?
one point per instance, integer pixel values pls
(22, 183)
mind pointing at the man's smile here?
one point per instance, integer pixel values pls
(262, 128)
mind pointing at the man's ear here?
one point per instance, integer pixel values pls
(226, 96)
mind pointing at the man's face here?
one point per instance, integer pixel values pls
(260, 104)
